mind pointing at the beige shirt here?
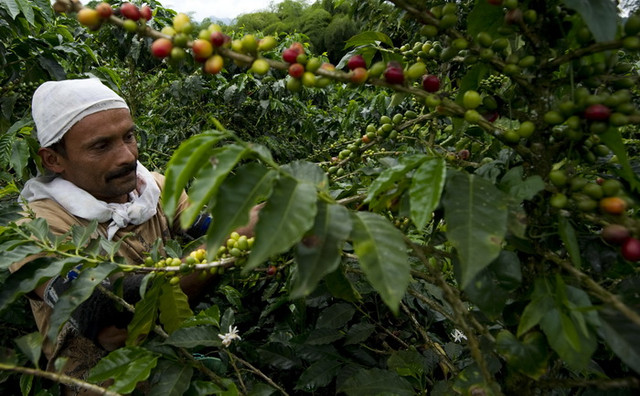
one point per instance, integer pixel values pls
(138, 239)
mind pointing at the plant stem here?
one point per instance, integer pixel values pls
(61, 378)
(259, 373)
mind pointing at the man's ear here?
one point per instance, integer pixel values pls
(50, 159)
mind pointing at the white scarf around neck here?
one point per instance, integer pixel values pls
(141, 207)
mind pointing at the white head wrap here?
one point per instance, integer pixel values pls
(59, 105)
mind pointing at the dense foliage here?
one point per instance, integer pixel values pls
(471, 233)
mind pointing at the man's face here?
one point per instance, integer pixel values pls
(101, 155)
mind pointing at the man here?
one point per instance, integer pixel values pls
(90, 153)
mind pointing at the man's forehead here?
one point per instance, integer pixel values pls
(103, 124)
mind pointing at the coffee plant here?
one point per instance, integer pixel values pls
(464, 222)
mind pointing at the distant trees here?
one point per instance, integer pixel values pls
(327, 23)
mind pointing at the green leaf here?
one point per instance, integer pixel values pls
(376, 382)
(19, 156)
(307, 172)
(146, 312)
(613, 140)
(369, 37)
(427, 184)
(17, 253)
(27, 11)
(572, 346)
(389, 177)
(529, 356)
(208, 180)
(570, 240)
(621, 335)
(32, 275)
(484, 17)
(210, 316)
(39, 228)
(472, 78)
(383, 257)
(336, 316)
(409, 363)
(323, 336)
(127, 366)
(12, 6)
(534, 311)
(319, 374)
(287, 215)
(26, 384)
(340, 287)
(476, 217)
(174, 307)
(174, 379)
(183, 165)
(80, 235)
(518, 189)
(358, 333)
(600, 15)
(192, 337)
(490, 288)
(237, 195)
(319, 252)
(80, 290)
(232, 295)
(31, 346)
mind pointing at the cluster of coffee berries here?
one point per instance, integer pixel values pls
(134, 17)
(302, 69)
(605, 195)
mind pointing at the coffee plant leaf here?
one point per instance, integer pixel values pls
(621, 335)
(601, 16)
(13, 6)
(288, 214)
(518, 188)
(209, 177)
(383, 257)
(369, 37)
(33, 274)
(319, 251)
(389, 177)
(613, 140)
(171, 378)
(375, 382)
(408, 363)
(14, 251)
(237, 195)
(126, 366)
(528, 356)
(340, 287)
(570, 240)
(319, 374)
(476, 216)
(183, 165)
(78, 292)
(174, 308)
(145, 315)
(484, 17)
(31, 345)
(191, 337)
(308, 172)
(427, 184)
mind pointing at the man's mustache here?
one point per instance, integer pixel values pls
(122, 171)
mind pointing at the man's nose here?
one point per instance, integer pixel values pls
(127, 153)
